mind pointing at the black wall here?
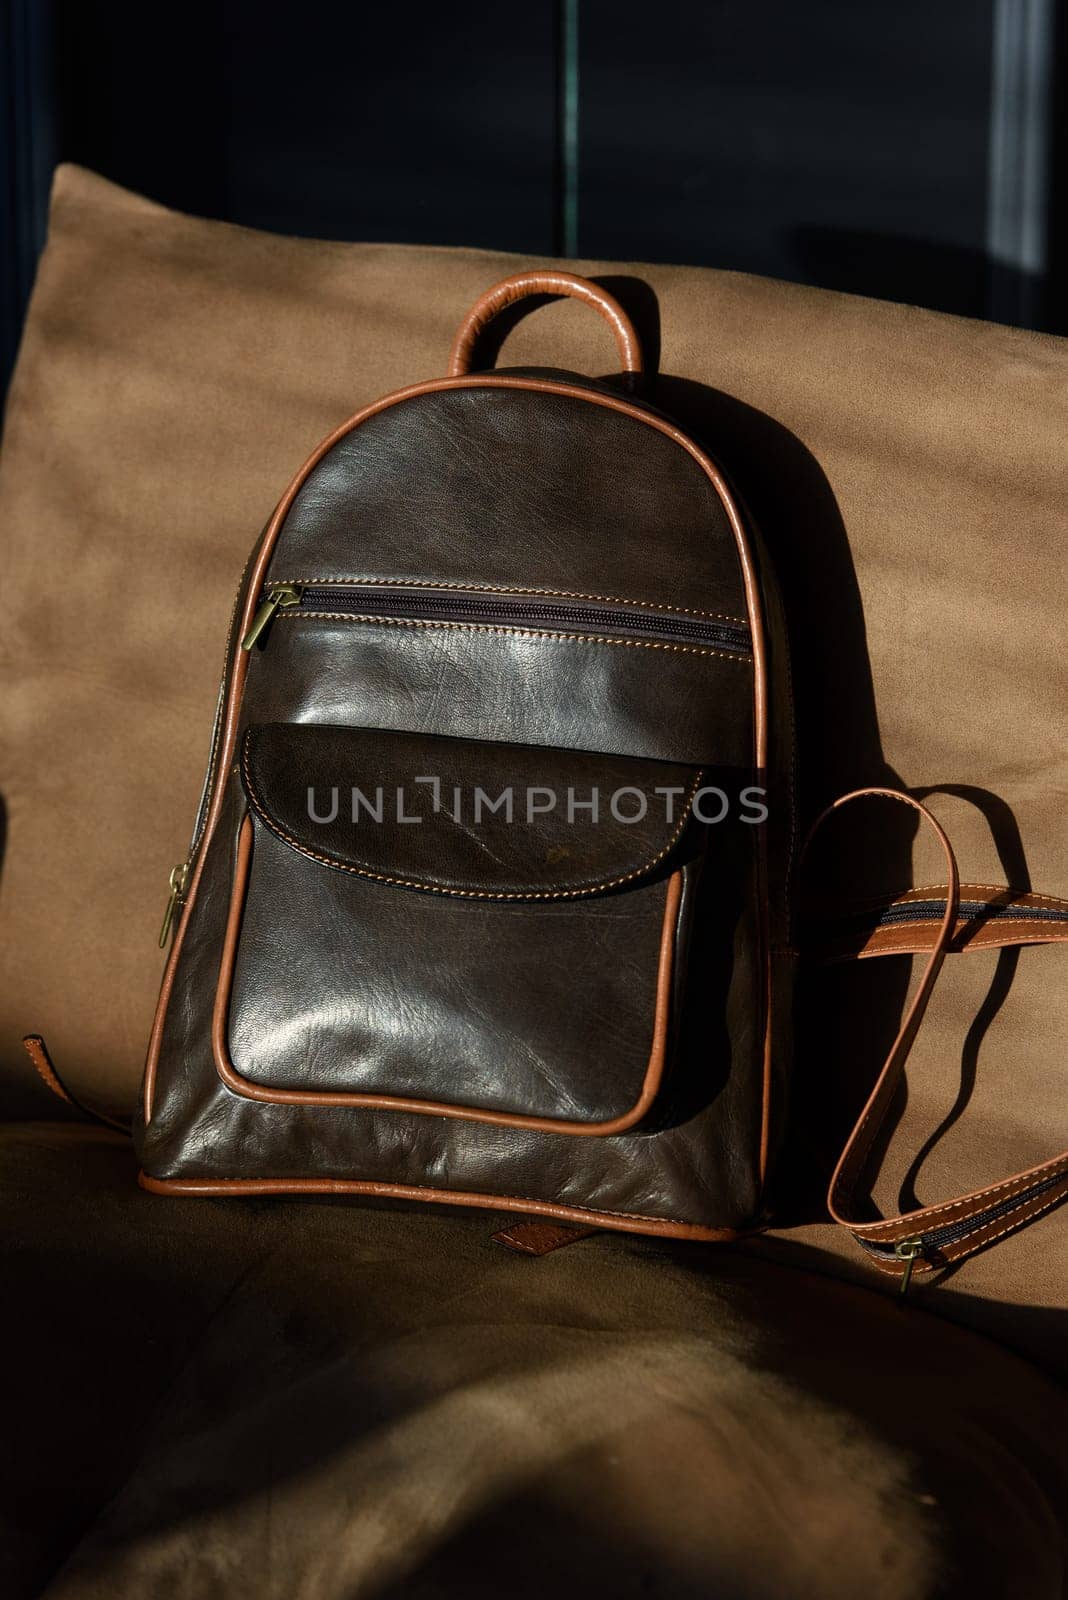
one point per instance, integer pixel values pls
(910, 151)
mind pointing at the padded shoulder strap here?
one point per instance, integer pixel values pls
(934, 1236)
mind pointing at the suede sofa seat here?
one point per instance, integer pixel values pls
(324, 1400)
(328, 1399)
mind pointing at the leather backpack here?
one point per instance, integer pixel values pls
(491, 892)
(488, 901)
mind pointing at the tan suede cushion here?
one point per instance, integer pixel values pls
(174, 374)
(311, 1400)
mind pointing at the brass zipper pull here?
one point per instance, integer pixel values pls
(179, 879)
(283, 594)
(907, 1250)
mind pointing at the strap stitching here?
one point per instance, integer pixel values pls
(1010, 1227)
(929, 1213)
(989, 933)
(923, 891)
(863, 1135)
(976, 1242)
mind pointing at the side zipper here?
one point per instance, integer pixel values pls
(372, 602)
(180, 874)
(179, 880)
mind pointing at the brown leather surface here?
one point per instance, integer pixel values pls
(671, 704)
(413, 493)
(535, 847)
(893, 456)
(700, 1168)
(303, 1015)
(614, 1221)
(326, 1399)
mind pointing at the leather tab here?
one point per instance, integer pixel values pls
(37, 1050)
(539, 1238)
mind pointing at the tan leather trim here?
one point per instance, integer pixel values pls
(969, 933)
(1003, 1226)
(37, 1050)
(921, 937)
(524, 285)
(618, 1221)
(977, 1200)
(234, 1081)
(995, 894)
(240, 664)
(916, 1226)
(847, 1174)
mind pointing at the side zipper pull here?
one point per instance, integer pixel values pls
(283, 594)
(907, 1250)
(178, 880)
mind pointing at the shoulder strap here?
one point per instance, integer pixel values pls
(934, 1236)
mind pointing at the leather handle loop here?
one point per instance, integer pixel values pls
(936, 1235)
(521, 286)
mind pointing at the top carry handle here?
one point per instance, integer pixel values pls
(560, 285)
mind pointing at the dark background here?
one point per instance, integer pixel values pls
(908, 150)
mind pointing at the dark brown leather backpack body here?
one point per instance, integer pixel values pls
(489, 894)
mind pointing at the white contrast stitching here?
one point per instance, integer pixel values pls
(928, 1213)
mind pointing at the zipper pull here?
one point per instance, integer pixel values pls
(178, 880)
(907, 1250)
(283, 594)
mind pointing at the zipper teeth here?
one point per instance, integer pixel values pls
(208, 788)
(460, 607)
(952, 1231)
(968, 911)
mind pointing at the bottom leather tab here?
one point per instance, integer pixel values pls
(539, 1238)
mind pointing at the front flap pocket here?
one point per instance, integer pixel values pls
(454, 928)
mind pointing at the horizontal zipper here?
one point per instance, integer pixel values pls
(967, 911)
(497, 610)
(908, 1250)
